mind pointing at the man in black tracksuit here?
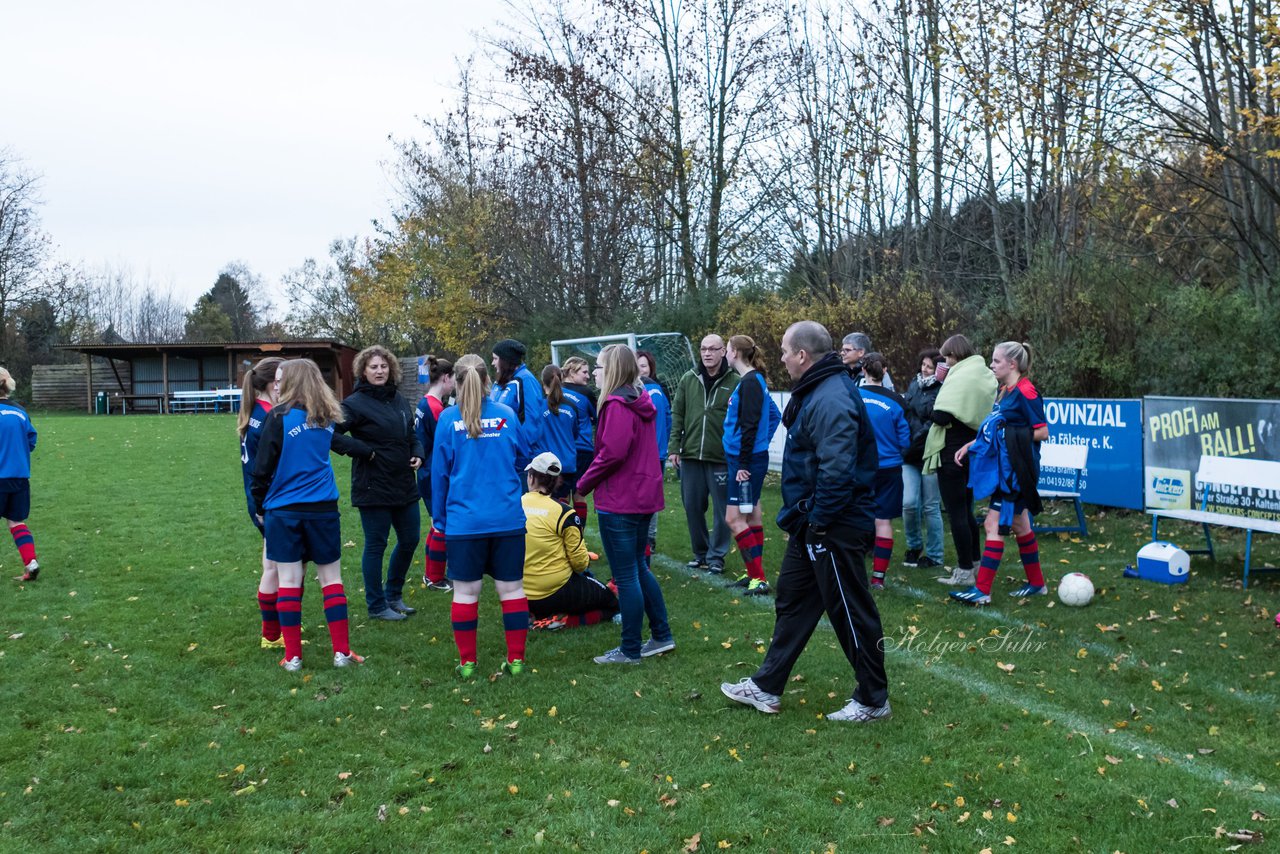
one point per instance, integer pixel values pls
(827, 472)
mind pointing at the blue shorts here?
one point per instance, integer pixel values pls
(999, 505)
(294, 536)
(568, 484)
(888, 490)
(500, 556)
(749, 490)
(16, 505)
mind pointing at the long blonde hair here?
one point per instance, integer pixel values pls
(256, 380)
(302, 385)
(620, 369)
(7, 384)
(471, 379)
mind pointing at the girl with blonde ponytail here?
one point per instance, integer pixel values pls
(475, 503)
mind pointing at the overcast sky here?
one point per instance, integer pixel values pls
(176, 137)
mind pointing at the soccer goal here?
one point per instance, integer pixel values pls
(672, 350)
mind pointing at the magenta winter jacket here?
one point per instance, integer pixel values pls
(626, 474)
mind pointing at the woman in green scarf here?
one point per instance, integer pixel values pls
(966, 397)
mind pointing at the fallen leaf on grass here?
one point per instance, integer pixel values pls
(181, 802)
(885, 821)
(382, 812)
(1173, 802)
(1113, 760)
(1258, 815)
(691, 844)
(343, 775)
(667, 801)
(1007, 668)
(613, 802)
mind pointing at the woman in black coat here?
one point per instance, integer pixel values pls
(384, 489)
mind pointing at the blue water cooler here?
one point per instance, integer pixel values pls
(1163, 562)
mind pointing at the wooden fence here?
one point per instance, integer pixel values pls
(64, 386)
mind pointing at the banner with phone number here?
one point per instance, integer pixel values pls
(1112, 430)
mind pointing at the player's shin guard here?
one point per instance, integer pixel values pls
(465, 617)
(1029, 551)
(990, 564)
(25, 542)
(335, 614)
(515, 625)
(880, 558)
(270, 617)
(289, 608)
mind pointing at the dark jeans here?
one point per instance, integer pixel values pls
(957, 498)
(580, 594)
(829, 577)
(377, 522)
(624, 536)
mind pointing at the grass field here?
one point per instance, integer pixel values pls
(140, 714)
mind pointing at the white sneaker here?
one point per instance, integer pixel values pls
(749, 693)
(292, 665)
(958, 577)
(855, 712)
(347, 659)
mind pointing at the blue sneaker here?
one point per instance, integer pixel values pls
(1029, 590)
(972, 596)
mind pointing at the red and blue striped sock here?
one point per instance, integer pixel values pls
(580, 507)
(270, 619)
(753, 554)
(465, 616)
(1029, 551)
(515, 625)
(25, 542)
(435, 557)
(880, 558)
(990, 565)
(289, 609)
(335, 614)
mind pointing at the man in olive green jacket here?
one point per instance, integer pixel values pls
(698, 410)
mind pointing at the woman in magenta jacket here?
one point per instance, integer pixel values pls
(627, 480)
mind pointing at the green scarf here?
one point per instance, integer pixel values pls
(967, 393)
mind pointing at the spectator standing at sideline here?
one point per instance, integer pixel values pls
(853, 350)
(697, 435)
(921, 502)
(828, 469)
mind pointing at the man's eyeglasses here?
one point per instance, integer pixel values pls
(710, 349)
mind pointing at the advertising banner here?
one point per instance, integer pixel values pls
(1179, 430)
(1112, 430)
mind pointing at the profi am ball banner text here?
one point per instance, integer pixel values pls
(1180, 430)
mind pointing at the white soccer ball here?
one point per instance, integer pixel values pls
(1075, 589)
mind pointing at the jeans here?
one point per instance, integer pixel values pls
(377, 523)
(624, 536)
(922, 502)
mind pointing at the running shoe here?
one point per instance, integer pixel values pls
(744, 581)
(696, 564)
(911, 558)
(278, 643)
(972, 596)
(1029, 590)
(399, 605)
(758, 587)
(30, 573)
(347, 659)
(855, 712)
(444, 586)
(928, 563)
(292, 665)
(514, 667)
(466, 669)
(747, 692)
(877, 584)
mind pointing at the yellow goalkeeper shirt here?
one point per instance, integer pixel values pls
(553, 546)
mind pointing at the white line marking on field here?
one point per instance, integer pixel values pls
(1202, 769)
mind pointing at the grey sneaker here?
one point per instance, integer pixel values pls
(958, 577)
(292, 665)
(855, 712)
(389, 615)
(615, 656)
(715, 568)
(347, 659)
(656, 647)
(748, 693)
(399, 605)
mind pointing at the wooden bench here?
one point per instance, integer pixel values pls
(208, 400)
(1248, 475)
(1073, 458)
